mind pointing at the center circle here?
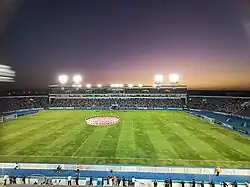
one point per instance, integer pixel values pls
(102, 120)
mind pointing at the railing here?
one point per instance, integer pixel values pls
(129, 168)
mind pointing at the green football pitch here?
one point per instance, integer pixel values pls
(141, 137)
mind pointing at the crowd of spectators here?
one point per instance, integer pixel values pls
(12, 104)
(237, 106)
(226, 105)
(121, 102)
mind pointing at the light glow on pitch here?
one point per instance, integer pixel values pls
(63, 79)
(174, 78)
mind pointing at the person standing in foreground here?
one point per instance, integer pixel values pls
(217, 171)
(5, 178)
(69, 180)
(133, 181)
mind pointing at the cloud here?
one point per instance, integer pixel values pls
(8, 8)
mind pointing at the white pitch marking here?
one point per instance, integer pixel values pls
(82, 144)
(120, 158)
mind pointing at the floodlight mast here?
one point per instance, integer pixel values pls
(63, 79)
(77, 79)
(174, 79)
(158, 80)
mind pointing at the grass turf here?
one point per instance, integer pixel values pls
(141, 137)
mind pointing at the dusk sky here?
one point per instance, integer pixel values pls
(207, 42)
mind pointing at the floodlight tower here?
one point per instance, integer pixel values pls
(63, 79)
(174, 79)
(6, 74)
(158, 80)
(77, 79)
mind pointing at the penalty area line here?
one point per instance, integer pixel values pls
(120, 158)
(72, 156)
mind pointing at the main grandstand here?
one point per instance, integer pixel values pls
(159, 125)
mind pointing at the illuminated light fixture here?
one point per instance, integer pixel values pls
(130, 85)
(74, 85)
(6, 74)
(99, 85)
(158, 79)
(63, 79)
(88, 85)
(121, 85)
(140, 85)
(79, 85)
(77, 79)
(174, 78)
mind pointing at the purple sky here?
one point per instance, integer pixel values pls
(129, 41)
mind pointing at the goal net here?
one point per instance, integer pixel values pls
(8, 117)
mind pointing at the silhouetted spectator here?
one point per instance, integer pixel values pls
(155, 183)
(77, 180)
(182, 183)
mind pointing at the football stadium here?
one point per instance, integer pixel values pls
(97, 133)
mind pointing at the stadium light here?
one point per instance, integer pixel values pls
(140, 85)
(130, 85)
(174, 78)
(6, 74)
(99, 85)
(77, 79)
(88, 85)
(121, 85)
(158, 79)
(79, 85)
(63, 79)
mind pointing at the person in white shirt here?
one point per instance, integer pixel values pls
(247, 184)
(133, 181)
(16, 166)
(5, 178)
(69, 180)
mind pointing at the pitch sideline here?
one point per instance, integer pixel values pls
(120, 158)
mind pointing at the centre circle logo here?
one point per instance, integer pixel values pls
(102, 120)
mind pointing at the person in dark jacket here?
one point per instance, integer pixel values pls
(118, 181)
(155, 183)
(24, 179)
(14, 179)
(123, 181)
(193, 183)
(170, 182)
(77, 180)
(224, 183)
(91, 181)
(202, 183)
(182, 183)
